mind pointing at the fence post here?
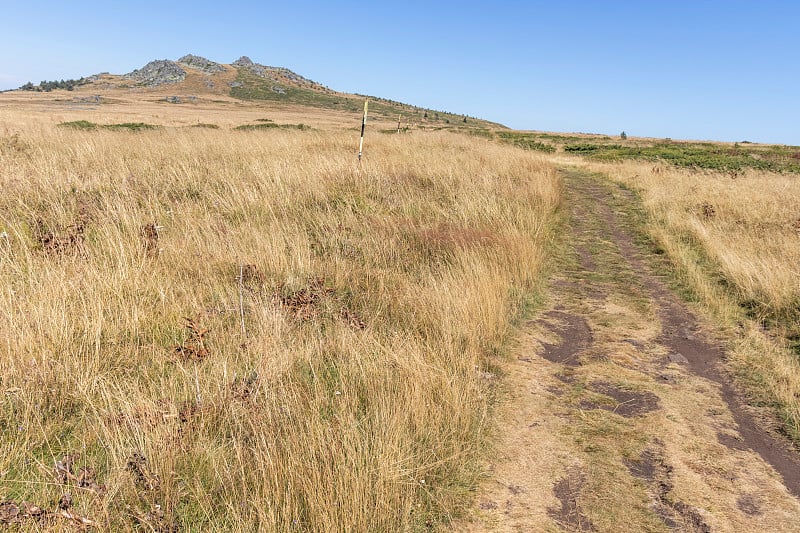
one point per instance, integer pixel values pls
(363, 126)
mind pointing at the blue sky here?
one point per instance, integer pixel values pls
(681, 69)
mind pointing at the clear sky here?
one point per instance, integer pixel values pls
(723, 70)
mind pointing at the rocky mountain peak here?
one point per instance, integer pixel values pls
(158, 72)
(243, 61)
(201, 63)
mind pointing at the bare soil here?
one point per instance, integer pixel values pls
(568, 490)
(620, 415)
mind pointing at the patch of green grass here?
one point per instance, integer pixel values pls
(205, 125)
(131, 126)
(79, 125)
(698, 155)
(587, 147)
(251, 127)
(560, 138)
(702, 155)
(271, 125)
(529, 141)
(478, 132)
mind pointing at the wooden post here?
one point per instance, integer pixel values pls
(363, 127)
(241, 298)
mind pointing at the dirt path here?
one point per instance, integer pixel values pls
(620, 418)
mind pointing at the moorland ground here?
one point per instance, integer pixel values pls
(207, 327)
(218, 329)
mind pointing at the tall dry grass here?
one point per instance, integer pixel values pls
(354, 393)
(736, 242)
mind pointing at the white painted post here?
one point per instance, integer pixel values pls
(363, 126)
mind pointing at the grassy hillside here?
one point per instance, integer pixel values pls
(252, 87)
(216, 330)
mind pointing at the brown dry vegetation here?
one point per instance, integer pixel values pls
(735, 243)
(26, 110)
(245, 331)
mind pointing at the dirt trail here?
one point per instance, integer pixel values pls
(620, 417)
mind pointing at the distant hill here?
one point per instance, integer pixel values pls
(193, 76)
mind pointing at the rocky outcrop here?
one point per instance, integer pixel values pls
(277, 74)
(159, 72)
(243, 61)
(201, 63)
(165, 71)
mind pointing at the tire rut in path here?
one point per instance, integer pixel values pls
(618, 405)
(703, 358)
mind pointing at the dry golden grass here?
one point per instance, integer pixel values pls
(736, 243)
(241, 330)
(27, 110)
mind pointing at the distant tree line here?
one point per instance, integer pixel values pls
(47, 86)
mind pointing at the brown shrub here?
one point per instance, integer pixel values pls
(193, 348)
(149, 235)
